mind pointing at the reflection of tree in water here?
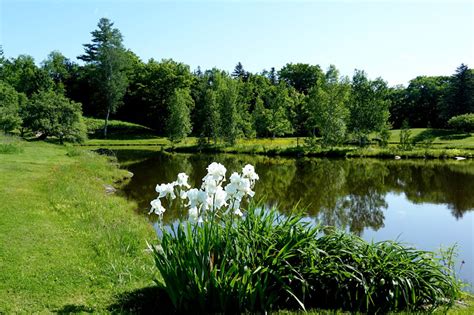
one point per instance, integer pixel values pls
(364, 211)
(318, 184)
(450, 183)
(362, 201)
(161, 168)
(346, 193)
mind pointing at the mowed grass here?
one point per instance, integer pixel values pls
(437, 138)
(129, 134)
(64, 244)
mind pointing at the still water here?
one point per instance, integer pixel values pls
(427, 204)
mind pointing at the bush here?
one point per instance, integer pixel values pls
(53, 114)
(462, 122)
(263, 261)
(10, 102)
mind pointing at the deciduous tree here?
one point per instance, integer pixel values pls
(53, 114)
(368, 106)
(179, 121)
(10, 102)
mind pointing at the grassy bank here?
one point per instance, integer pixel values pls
(66, 246)
(425, 143)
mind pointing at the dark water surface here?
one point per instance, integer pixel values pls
(427, 204)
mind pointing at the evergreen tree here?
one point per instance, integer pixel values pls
(273, 76)
(459, 98)
(239, 72)
(107, 56)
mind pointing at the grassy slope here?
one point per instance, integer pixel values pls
(128, 134)
(64, 245)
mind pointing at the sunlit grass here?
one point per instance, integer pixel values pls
(64, 244)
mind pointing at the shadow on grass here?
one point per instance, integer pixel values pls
(124, 135)
(71, 309)
(149, 300)
(458, 136)
(442, 134)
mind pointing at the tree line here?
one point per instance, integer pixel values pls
(214, 105)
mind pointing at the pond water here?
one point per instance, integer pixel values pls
(427, 204)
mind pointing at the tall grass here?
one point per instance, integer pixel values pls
(268, 261)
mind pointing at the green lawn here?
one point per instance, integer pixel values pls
(128, 134)
(439, 138)
(64, 244)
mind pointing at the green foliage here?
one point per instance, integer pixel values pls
(424, 96)
(301, 76)
(351, 274)
(459, 97)
(385, 135)
(268, 261)
(368, 106)
(179, 123)
(152, 84)
(279, 111)
(24, 76)
(108, 62)
(405, 137)
(53, 114)
(462, 122)
(59, 69)
(10, 102)
(207, 106)
(227, 98)
(261, 117)
(327, 108)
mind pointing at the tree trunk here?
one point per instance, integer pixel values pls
(106, 122)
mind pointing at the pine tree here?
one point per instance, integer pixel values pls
(107, 58)
(459, 98)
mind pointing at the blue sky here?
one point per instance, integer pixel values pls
(396, 40)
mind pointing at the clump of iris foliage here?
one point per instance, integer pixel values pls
(225, 259)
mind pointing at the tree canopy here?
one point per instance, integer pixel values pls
(165, 95)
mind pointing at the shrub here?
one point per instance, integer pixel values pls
(10, 102)
(405, 135)
(462, 122)
(53, 114)
(221, 260)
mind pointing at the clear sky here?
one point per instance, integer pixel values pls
(396, 40)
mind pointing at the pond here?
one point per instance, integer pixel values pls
(427, 204)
